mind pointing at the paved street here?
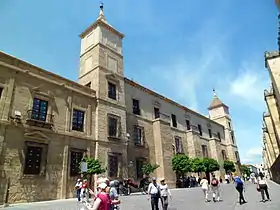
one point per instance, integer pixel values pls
(190, 199)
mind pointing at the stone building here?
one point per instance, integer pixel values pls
(271, 120)
(48, 123)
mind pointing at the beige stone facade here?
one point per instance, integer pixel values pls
(48, 123)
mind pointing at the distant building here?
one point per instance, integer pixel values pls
(48, 123)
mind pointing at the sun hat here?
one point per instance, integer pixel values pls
(102, 185)
(154, 178)
(162, 179)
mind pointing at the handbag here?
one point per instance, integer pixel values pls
(258, 188)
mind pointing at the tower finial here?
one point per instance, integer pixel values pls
(214, 92)
(101, 12)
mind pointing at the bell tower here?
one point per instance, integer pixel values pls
(219, 112)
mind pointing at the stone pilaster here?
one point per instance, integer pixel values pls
(64, 175)
(8, 99)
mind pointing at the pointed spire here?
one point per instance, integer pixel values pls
(101, 12)
(216, 102)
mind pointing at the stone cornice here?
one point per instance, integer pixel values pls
(103, 24)
(267, 94)
(18, 65)
(136, 85)
(270, 55)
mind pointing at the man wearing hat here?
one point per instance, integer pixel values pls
(154, 194)
(78, 188)
(164, 193)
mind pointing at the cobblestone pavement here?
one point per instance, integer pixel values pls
(183, 199)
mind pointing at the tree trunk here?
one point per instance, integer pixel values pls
(208, 176)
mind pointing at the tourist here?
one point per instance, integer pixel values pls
(102, 199)
(262, 186)
(215, 188)
(78, 188)
(84, 191)
(154, 194)
(205, 188)
(239, 185)
(164, 193)
(113, 195)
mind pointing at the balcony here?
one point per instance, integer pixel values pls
(39, 119)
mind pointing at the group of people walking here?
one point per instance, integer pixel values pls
(262, 186)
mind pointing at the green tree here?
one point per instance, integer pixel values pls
(197, 165)
(148, 168)
(181, 164)
(229, 166)
(94, 166)
(210, 165)
(245, 170)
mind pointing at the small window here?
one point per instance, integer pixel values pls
(219, 135)
(138, 135)
(139, 166)
(178, 145)
(39, 110)
(33, 158)
(174, 120)
(188, 124)
(88, 85)
(204, 151)
(156, 113)
(75, 161)
(229, 125)
(210, 133)
(1, 92)
(112, 91)
(232, 137)
(113, 165)
(136, 106)
(224, 155)
(199, 129)
(237, 156)
(78, 120)
(112, 126)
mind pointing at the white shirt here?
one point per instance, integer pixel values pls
(204, 184)
(164, 190)
(262, 181)
(78, 185)
(152, 189)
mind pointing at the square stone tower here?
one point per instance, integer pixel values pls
(101, 68)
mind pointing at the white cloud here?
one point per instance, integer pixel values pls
(249, 85)
(252, 156)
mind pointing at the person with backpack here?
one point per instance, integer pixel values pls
(215, 188)
(102, 200)
(239, 185)
(154, 194)
(205, 188)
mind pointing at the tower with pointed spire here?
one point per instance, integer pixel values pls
(219, 112)
(101, 69)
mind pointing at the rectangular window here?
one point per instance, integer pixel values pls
(112, 91)
(210, 133)
(224, 155)
(156, 113)
(219, 135)
(78, 120)
(178, 145)
(138, 135)
(33, 158)
(204, 151)
(112, 126)
(229, 125)
(75, 161)
(113, 165)
(88, 85)
(139, 166)
(39, 110)
(232, 137)
(1, 91)
(237, 156)
(188, 124)
(199, 129)
(174, 120)
(136, 106)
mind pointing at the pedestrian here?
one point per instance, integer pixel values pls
(164, 193)
(263, 187)
(239, 185)
(215, 188)
(78, 188)
(227, 178)
(154, 194)
(84, 191)
(205, 188)
(113, 195)
(102, 200)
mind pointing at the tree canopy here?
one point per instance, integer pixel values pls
(245, 170)
(94, 166)
(197, 165)
(149, 168)
(229, 166)
(210, 165)
(181, 163)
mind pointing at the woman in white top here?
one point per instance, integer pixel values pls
(164, 193)
(263, 186)
(205, 187)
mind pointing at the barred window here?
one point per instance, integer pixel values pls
(33, 158)
(75, 160)
(113, 165)
(39, 109)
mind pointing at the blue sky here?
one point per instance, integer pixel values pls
(189, 46)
